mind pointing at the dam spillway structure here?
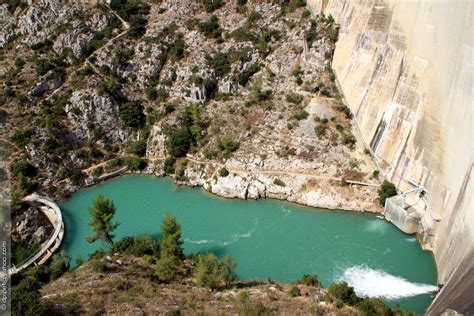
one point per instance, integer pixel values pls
(406, 71)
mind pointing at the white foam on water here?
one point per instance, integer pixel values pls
(411, 239)
(285, 210)
(376, 283)
(198, 242)
(237, 236)
(376, 226)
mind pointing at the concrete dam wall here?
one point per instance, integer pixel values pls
(406, 71)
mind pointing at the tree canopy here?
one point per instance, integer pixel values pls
(102, 212)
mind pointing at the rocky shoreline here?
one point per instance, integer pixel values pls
(307, 190)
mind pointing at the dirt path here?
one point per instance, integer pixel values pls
(244, 171)
(87, 61)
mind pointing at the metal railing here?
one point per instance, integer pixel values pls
(58, 228)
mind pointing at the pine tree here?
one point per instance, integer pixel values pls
(171, 243)
(102, 212)
(171, 249)
(229, 267)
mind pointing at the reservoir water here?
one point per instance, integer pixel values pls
(268, 238)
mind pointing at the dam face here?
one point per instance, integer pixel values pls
(406, 71)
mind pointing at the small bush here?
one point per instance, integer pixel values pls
(245, 75)
(349, 139)
(136, 163)
(309, 280)
(209, 271)
(228, 145)
(387, 190)
(137, 246)
(43, 66)
(305, 14)
(97, 265)
(24, 168)
(344, 292)
(21, 138)
(132, 114)
(19, 63)
(223, 172)
(212, 5)
(168, 166)
(279, 182)
(301, 115)
(139, 147)
(220, 64)
(294, 291)
(294, 98)
(320, 130)
(177, 49)
(210, 28)
(97, 172)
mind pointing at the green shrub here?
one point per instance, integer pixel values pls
(387, 190)
(294, 98)
(245, 75)
(301, 115)
(121, 56)
(209, 271)
(243, 34)
(21, 138)
(24, 168)
(252, 17)
(43, 66)
(344, 109)
(228, 145)
(343, 292)
(60, 264)
(176, 51)
(320, 130)
(349, 139)
(179, 142)
(220, 64)
(139, 147)
(309, 280)
(97, 265)
(374, 306)
(223, 172)
(212, 5)
(168, 166)
(210, 28)
(19, 63)
(279, 182)
(244, 306)
(294, 291)
(86, 71)
(136, 163)
(132, 114)
(305, 14)
(137, 246)
(97, 172)
(42, 44)
(376, 174)
(26, 298)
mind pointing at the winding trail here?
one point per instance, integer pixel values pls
(87, 61)
(271, 172)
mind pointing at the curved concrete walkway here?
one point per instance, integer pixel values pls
(52, 211)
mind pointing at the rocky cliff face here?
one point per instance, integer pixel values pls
(405, 69)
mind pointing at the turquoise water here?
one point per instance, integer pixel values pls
(268, 238)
